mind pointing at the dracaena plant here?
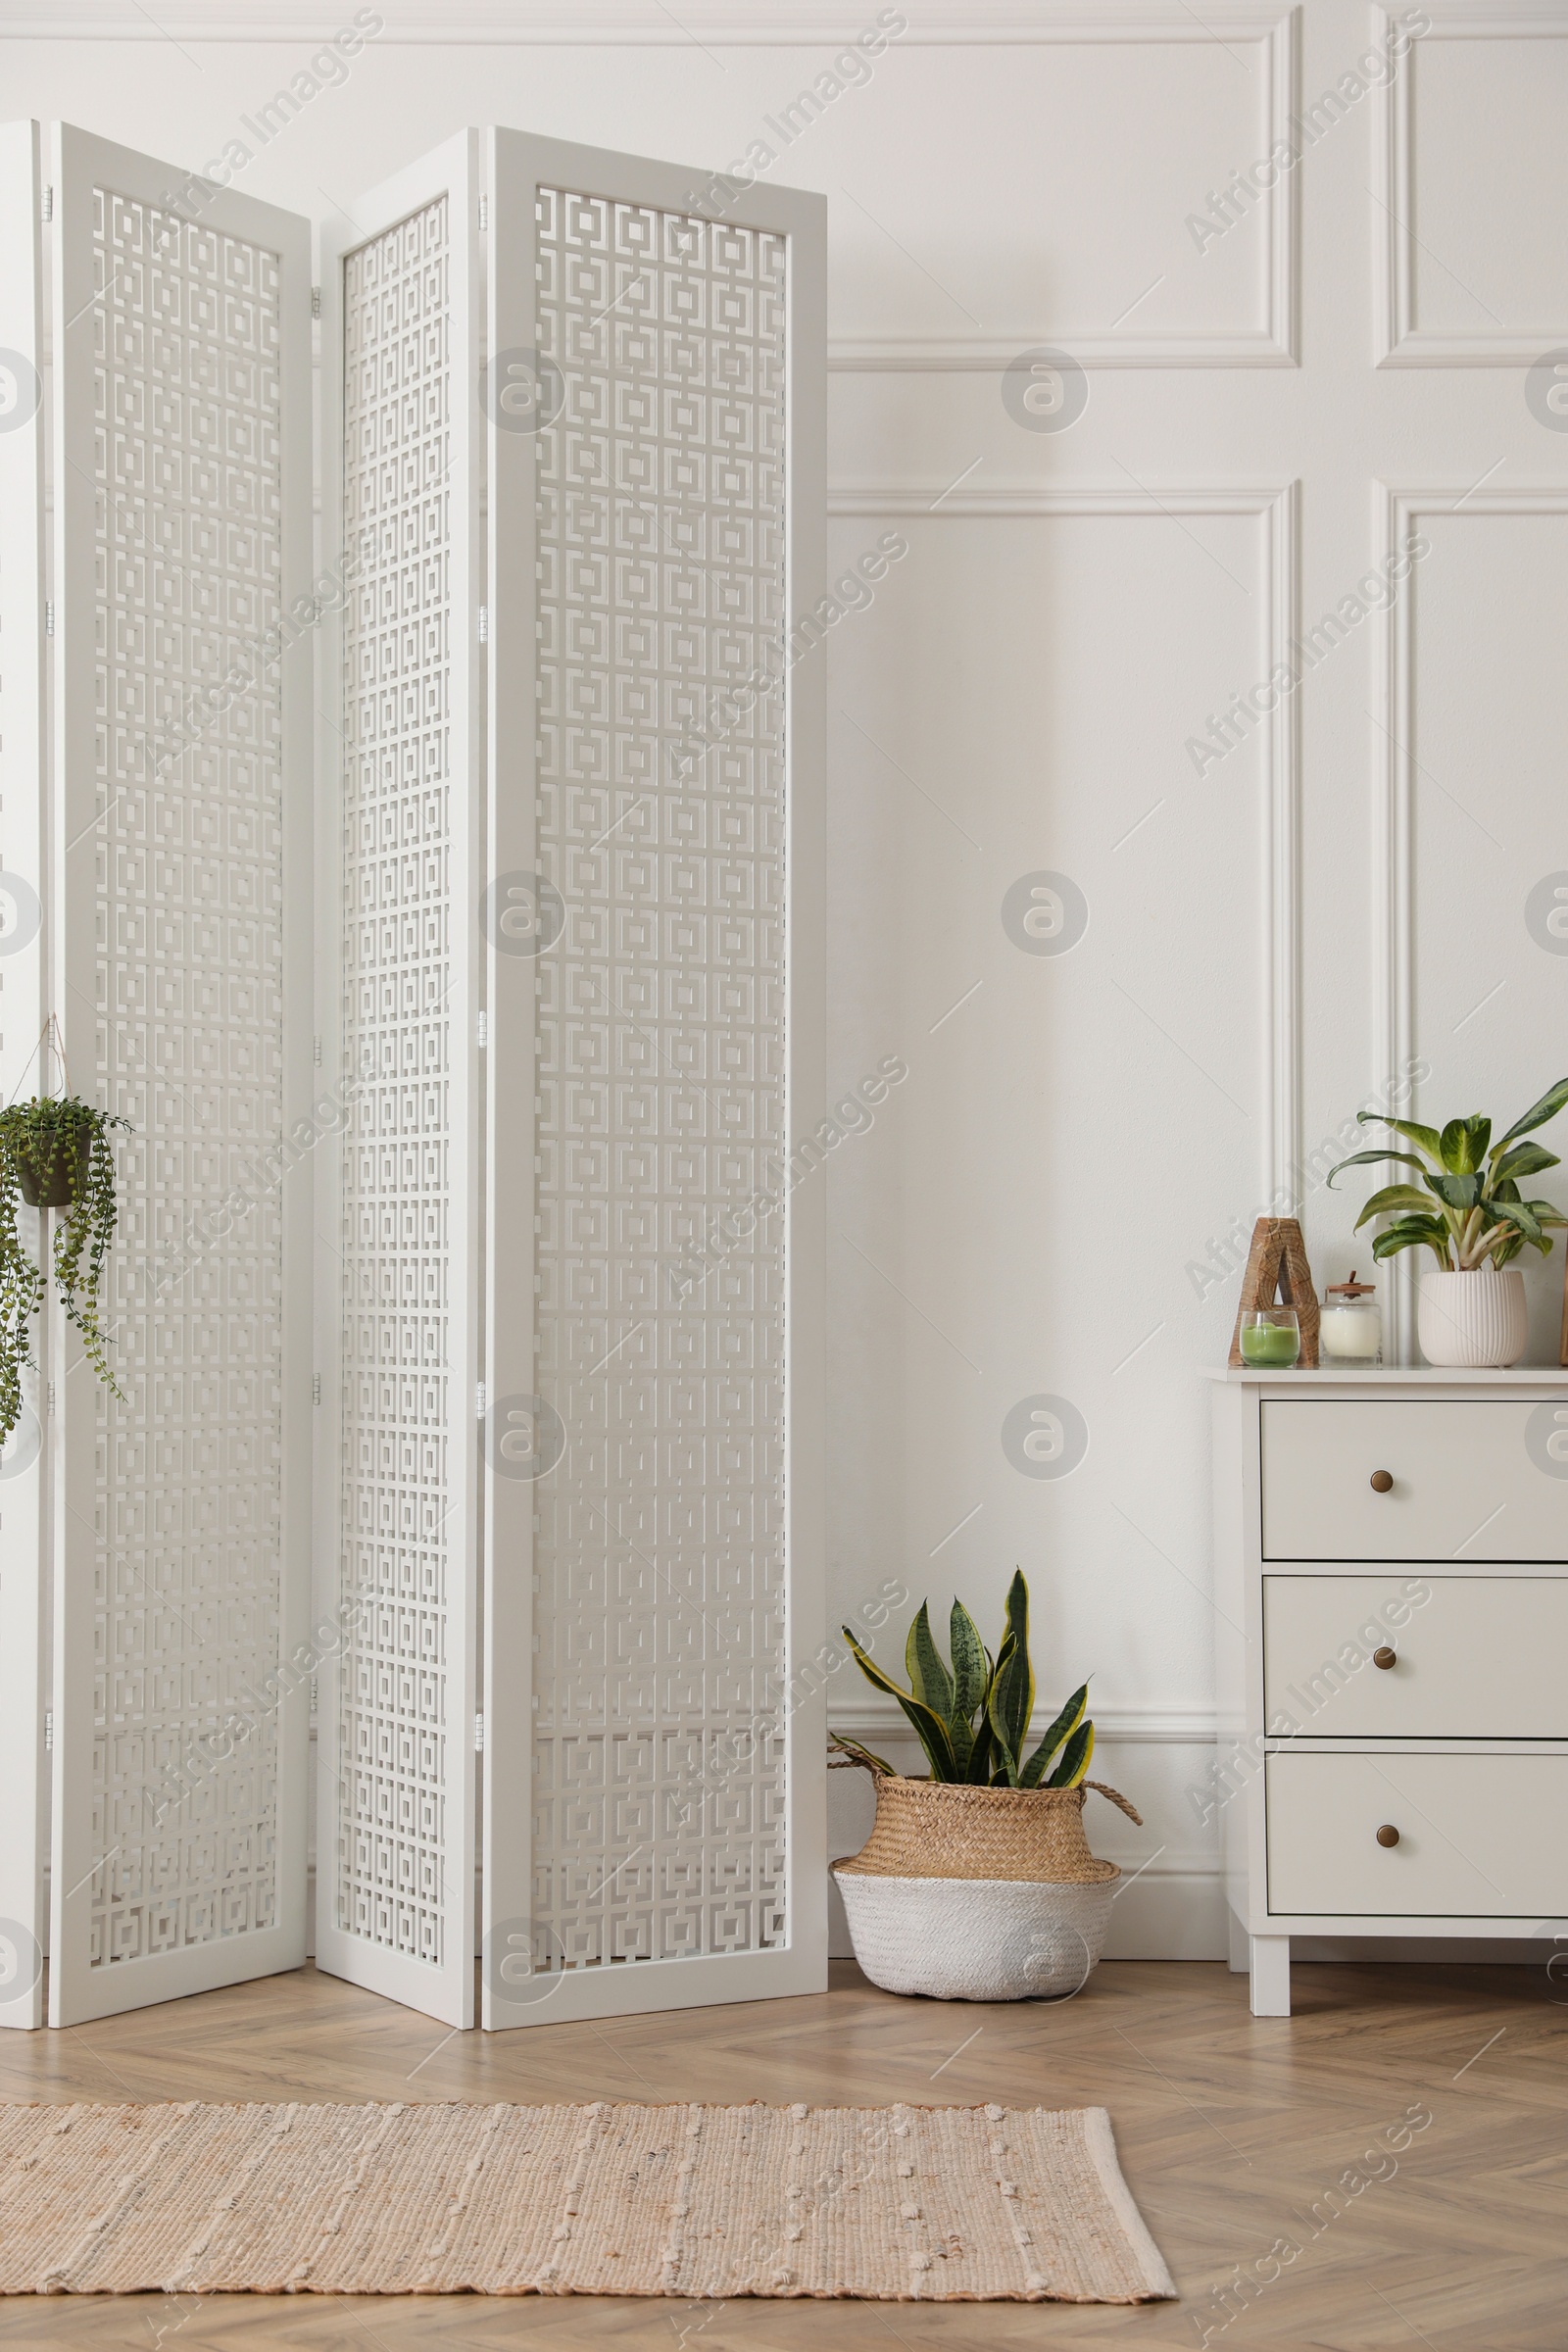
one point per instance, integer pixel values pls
(1471, 1212)
(972, 1716)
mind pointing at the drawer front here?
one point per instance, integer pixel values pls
(1475, 1657)
(1480, 1836)
(1468, 1480)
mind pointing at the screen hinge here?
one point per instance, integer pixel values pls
(478, 1734)
(485, 211)
(483, 1029)
(485, 624)
(316, 302)
(49, 620)
(48, 204)
(481, 1398)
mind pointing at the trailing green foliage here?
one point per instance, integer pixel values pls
(1471, 1214)
(972, 1716)
(53, 1134)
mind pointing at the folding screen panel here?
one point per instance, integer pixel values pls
(398, 1221)
(179, 942)
(567, 1014)
(23, 1494)
(652, 918)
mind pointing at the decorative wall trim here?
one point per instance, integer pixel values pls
(1397, 509)
(1156, 1723)
(633, 24)
(1270, 345)
(1278, 507)
(1396, 342)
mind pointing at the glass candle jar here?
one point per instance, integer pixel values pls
(1271, 1337)
(1350, 1325)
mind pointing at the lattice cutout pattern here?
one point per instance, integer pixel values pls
(659, 1796)
(188, 854)
(397, 1542)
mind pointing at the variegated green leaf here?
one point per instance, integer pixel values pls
(1075, 1758)
(929, 1678)
(930, 1729)
(1066, 1723)
(1552, 1102)
(971, 1665)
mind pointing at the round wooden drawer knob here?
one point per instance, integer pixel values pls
(1384, 1657)
(1387, 1834)
(1381, 1481)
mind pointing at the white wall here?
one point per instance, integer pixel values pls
(1032, 1208)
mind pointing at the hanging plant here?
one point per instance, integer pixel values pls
(55, 1153)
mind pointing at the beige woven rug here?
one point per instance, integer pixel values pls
(981, 2204)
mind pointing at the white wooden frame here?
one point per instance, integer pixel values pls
(445, 1991)
(23, 940)
(78, 1990)
(520, 163)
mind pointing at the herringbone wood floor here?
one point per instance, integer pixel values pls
(1230, 2129)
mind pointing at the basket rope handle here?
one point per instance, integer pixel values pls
(1117, 1798)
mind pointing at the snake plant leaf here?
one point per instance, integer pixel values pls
(861, 1755)
(1552, 1102)
(929, 1727)
(1010, 1700)
(1065, 1725)
(929, 1679)
(1463, 1142)
(971, 1665)
(1394, 1196)
(1375, 1160)
(982, 1757)
(1075, 1758)
(1425, 1139)
(1524, 1159)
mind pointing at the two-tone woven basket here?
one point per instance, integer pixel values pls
(978, 1895)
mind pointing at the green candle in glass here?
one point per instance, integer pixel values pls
(1271, 1337)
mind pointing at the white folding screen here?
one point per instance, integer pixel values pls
(567, 1012)
(398, 1221)
(178, 945)
(654, 403)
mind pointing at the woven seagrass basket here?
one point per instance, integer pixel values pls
(980, 1894)
(947, 1830)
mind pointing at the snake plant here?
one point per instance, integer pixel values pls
(972, 1716)
(1471, 1214)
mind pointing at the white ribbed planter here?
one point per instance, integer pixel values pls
(976, 1940)
(1474, 1319)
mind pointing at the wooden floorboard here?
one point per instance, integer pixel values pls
(1232, 2130)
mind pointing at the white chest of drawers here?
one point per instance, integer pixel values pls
(1391, 1599)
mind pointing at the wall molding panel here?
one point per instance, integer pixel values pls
(1398, 509)
(1397, 341)
(1279, 878)
(1272, 344)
